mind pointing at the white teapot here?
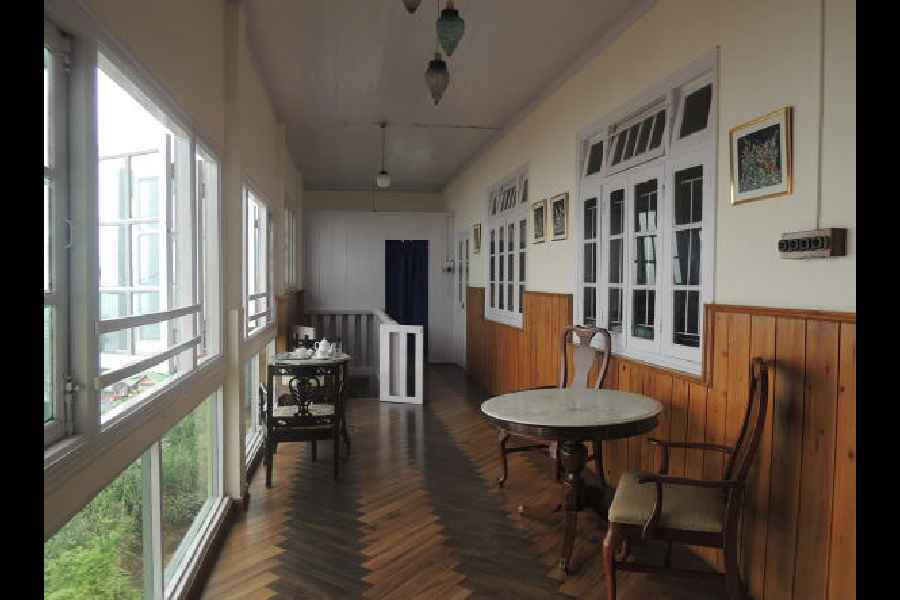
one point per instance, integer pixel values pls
(324, 349)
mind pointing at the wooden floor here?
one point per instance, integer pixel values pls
(417, 514)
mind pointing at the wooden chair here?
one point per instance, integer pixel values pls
(580, 365)
(307, 413)
(688, 511)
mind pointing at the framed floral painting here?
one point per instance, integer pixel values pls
(761, 157)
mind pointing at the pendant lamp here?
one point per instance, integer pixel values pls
(437, 77)
(383, 179)
(450, 28)
(411, 5)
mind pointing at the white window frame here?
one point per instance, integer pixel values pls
(290, 248)
(82, 463)
(509, 217)
(250, 329)
(697, 149)
(57, 177)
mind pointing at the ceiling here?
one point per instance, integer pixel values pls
(337, 67)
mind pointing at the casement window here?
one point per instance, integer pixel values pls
(507, 249)
(158, 247)
(290, 248)
(255, 372)
(56, 234)
(646, 211)
(137, 535)
(257, 267)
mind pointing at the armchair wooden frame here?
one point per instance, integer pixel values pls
(596, 367)
(740, 459)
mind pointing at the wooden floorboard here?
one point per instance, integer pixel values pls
(417, 513)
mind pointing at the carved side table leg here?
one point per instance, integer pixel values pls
(572, 456)
(503, 438)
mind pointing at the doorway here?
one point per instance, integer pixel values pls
(406, 291)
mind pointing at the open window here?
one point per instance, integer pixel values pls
(257, 229)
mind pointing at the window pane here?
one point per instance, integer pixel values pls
(645, 260)
(689, 195)
(615, 309)
(114, 267)
(491, 262)
(696, 110)
(595, 158)
(49, 396)
(501, 246)
(145, 177)
(590, 262)
(112, 306)
(620, 147)
(510, 268)
(99, 552)
(113, 189)
(590, 305)
(643, 314)
(48, 59)
(493, 248)
(493, 304)
(511, 238)
(251, 396)
(616, 210)
(117, 396)
(524, 192)
(644, 138)
(47, 226)
(632, 140)
(187, 480)
(509, 296)
(615, 261)
(521, 298)
(523, 235)
(521, 268)
(146, 254)
(686, 311)
(590, 218)
(645, 206)
(658, 126)
(146, 303)
(681, 257)
(694, 274)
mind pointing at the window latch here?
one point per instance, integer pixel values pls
(70, 388)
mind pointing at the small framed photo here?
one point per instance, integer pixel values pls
(762, 157)
(476, 238)
(559, 216)
(538, 221)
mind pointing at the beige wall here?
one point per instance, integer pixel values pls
(770, 56)
(382, 200)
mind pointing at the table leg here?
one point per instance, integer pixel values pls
(572, 456)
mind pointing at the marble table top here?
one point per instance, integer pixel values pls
(284, 359)
(571, 407)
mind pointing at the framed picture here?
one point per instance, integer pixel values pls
(762, 157)
(538, 221)
(476, 238)
(559, 216)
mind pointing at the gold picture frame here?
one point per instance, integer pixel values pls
(762, 157)
(476, 238)
(559, 216)
(539, 221)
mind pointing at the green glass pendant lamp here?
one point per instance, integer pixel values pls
(450, 28)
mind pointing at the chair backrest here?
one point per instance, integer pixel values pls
(754, 422)
(585, 356)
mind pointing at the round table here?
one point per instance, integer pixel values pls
(572, 416)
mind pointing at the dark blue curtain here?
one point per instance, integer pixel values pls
(406, 288)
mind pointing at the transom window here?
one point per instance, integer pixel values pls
(507, 249)
(646, 211)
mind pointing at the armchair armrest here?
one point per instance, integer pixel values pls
(664, 446)
(660, 480)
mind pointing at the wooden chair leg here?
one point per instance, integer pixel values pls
(503, 438)
(610, 544)
(733, 584)
(269, 460)
(337, 450)
(313, 449)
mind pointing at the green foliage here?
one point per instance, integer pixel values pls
(98, 554)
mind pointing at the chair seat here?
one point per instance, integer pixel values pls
(685, 507)
(315, 410)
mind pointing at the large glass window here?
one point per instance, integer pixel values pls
(507, 228)
(256, 262)
(99, 553)
(647, 223)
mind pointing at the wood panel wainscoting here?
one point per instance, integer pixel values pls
(799, 526)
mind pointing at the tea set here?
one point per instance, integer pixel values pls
(323, 350)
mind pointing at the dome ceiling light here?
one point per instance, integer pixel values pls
(450, 28)
(411, 5)
(383, 179)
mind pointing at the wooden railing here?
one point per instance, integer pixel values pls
(379, 347)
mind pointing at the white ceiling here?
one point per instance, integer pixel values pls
(337, 67)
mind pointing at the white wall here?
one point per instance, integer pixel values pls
(770, 56)
(345, 264)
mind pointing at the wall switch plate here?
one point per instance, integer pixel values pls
(819, 243)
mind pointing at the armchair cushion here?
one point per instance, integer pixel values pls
(684, 507)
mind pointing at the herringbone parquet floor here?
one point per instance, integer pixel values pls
(417, 513)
